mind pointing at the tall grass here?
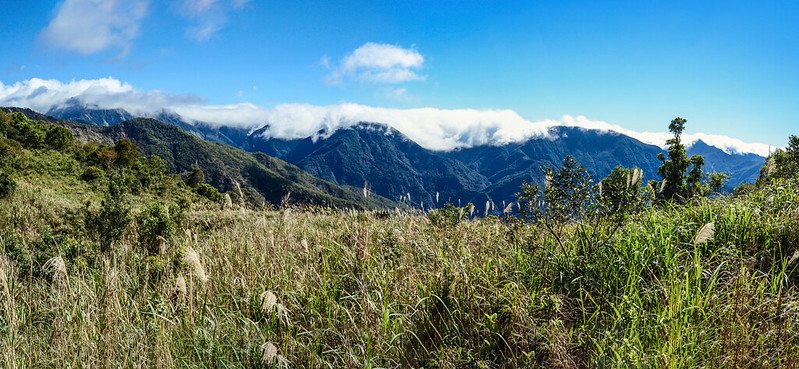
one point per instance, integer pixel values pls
(325, 288)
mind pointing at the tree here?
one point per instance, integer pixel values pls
(26, 132)
(784, 163)
(58, 138)
(694, 185)
(127, 154)
(5, 121)
(156, 168)
(209, 192)
(110, 222)
(196, 177)
(717, 181)
(676, 185)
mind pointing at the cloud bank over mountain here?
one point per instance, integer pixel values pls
(432, 128)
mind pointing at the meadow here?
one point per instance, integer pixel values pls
(299, 287)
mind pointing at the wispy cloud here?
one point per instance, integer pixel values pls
(91, 26)
(432, 128)
(377, 63)
(207, 16)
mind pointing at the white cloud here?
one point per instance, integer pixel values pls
(41, 95)
(91, 26)
(378, 63)
(432, 128)
(726, 143)
(208, 16)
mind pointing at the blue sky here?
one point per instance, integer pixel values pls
(729, 67)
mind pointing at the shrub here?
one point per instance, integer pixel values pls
(449, 216)
(7, 185)
(28, 134)
(209, 192)
(73, 254)
(58, 138)
(716, 181)
(9, 151)
(622, 194)
(196, 178)
(109, 223)
(127, 154)
(156, 227)
(92, 173)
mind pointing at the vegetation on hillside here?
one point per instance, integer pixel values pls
(579, 273)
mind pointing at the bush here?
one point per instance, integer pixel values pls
(621, 194)
(75, 254)
(109, 223)
(128, 155)
(92, 173)
(58, 138)
(209, 192)
(156, 227)
(7, 185)
(450, 215)
(196, 178)
(9, 153)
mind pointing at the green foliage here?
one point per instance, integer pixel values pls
(92, 173)
(97, 155)
(693, 181)
(58, 138)
(716, 181)
(782, 164)
(9, 152)
(673, 170)
(76, 255)
(744, 189)
(33, 134)
(450, 215)
(569, 198)
(7, 185)
(568, 193)
(621, 194)
(530, 202)
(22, 130)
(196, 177)
(156, 227)
(127, 154)
(209, 192)
(678, 185)
(5, 120)
(108, 225)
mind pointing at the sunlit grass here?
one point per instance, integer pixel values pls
(344, 289)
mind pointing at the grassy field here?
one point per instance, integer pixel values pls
(321, 288)
(172, 273)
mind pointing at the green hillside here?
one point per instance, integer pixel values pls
(264, 177)
(261, 179)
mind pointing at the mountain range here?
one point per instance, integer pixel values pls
(389, 164)
(258, 177)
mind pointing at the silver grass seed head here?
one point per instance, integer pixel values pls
(705, 234)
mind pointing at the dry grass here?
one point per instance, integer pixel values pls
(342, 289)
